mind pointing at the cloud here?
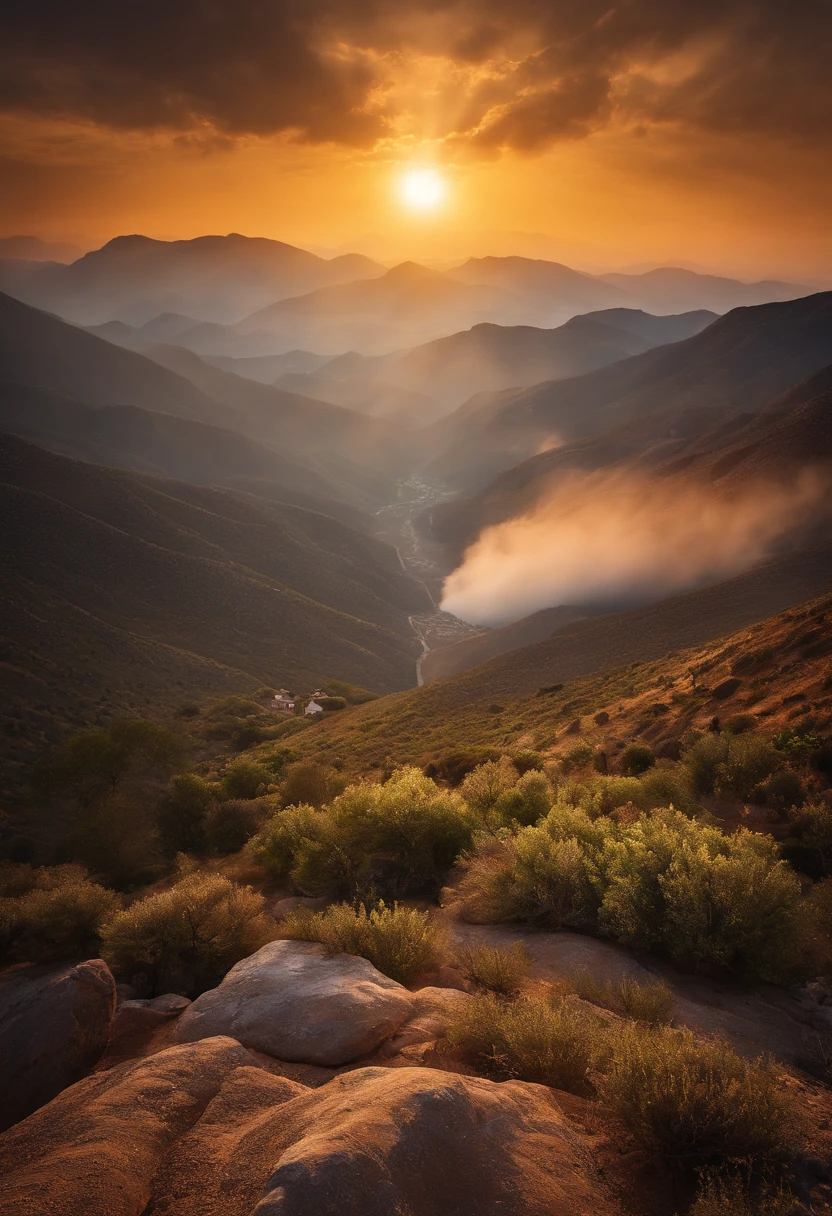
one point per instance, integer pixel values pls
(525, 74)
(620, 538)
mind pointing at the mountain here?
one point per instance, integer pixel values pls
(41, 350)
(671, 289)
(33, 249)
(266, 369)
(557, 291)
(374, 397)
(736, 364)
(408, 304)
(159, 444)
(214, 278)
(493, 357)
(601, 661)
(687, 447)
(123, 593)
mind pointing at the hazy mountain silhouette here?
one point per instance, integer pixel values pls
(495, 357)
(737, 363)
(33, 249)
(408, 304)
(671, 289)
(216, 277)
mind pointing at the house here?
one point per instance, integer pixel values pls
(314, 708)
(283, 702)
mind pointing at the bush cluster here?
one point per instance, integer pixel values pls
(400, 836)
(51, 913)
(660, 881)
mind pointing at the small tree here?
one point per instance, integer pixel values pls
(181, 816)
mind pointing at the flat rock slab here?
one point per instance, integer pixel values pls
(295, 1002)
(54, 1026)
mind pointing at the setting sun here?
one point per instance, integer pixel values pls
(422, 188)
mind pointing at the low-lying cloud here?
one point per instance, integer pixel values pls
(622, 539)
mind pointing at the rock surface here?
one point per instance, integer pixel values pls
(96, 1148)
(54, 1026)
(380, 1142)
(294, 1002)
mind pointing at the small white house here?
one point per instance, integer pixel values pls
(314, 708)
(283, 702)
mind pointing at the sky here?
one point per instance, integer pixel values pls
(605, 133)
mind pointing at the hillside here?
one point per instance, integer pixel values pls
(217, 278)
(493, 357)
(558, 291)
(496, 704)
(671, 289)
(163, 445)
(739, 363)
(199, 587)
(408, 304)
(688, 446)
(41, 350)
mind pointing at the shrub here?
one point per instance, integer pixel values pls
(244, 779)
(229, 825)
(92, 764)
(738, 724)
(309, 783)
(528, 1039)
(400, 942)
(185, 939)
(403, 835)
(650, 1001)
(723, 1193)
(525, 761)
(485, 785)
(811, 825)
(455, 766)
(59, 917)
(181, 816)
(527, 802)
(749, 761)
(697, 1099)
(702, 758)
(784, 790)
(496, 968)
(332, 703)
(636, 759)
(579, 756)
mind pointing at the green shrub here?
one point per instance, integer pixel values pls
(749, 761)
(185, 939)
(244, 779)
(697, 1099)
(496, 968)
(738, 724)
(527, 802)
(455, 766)
(580, 755)
(784, 790)
(525, 761)
(529, 1039)
(399, 836)
(811, 828)
(58, 917)
(308, 783)
(702, 758)
(181, 816)
(486, 784)
(636, 759)
(400, 942)
(93, 764)
(230, 825)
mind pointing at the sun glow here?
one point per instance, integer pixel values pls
(422, 189)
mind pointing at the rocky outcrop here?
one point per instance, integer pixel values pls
(54, 1026)
(196, 1130)
(96, 1148)
(292, 1001)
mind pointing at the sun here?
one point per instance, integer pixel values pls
(422, 189)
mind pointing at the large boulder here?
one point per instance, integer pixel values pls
(96, 1148)
(294, 1002)
(380, 1142)
(54, 1026)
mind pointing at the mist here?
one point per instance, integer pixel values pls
(622, 539)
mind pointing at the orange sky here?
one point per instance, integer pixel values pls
(602, 135)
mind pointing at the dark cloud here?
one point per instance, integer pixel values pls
(328, 70)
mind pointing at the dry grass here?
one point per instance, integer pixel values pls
(554, 1044)
(696, 1099)
(400, 942)
(495, 968)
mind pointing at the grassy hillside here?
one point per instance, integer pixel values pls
(595, 660)
(107, 572)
